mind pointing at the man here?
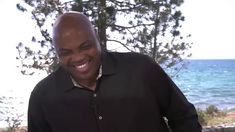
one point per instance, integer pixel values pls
(100, 91)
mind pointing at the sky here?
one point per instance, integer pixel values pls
(211, 23)
(15, 26)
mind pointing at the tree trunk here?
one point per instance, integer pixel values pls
(102, 23)
(156, 24)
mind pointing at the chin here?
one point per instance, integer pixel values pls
(79, 76)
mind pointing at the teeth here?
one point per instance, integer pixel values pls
(81, 66)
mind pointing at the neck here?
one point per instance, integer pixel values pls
(88, 84)
(91, 85)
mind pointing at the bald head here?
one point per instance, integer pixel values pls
(71, 17)
(71, 21)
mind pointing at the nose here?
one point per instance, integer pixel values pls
(77, 57)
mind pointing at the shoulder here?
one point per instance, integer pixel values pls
(45, 84)
(131, 57)
(132, 61)
(129, 54)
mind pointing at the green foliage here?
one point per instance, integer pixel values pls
(210, 115)
(212, 110)
(152, 28)
(202, 117)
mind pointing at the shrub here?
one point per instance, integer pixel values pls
(212, 110)
(210, 116)
(202, 117)
(13, 123)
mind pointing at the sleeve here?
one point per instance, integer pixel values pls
(36, 118)
(180, 113)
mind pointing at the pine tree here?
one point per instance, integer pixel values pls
(152, 28)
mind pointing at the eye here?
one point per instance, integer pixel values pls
(85, 46)
(62, 53)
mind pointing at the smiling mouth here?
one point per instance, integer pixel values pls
(82, 67)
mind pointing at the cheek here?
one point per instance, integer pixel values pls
(64, 60)
(94, 53)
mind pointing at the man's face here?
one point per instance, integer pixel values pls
(79, 52)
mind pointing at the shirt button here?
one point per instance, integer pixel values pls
(100, 117)
(94, 95)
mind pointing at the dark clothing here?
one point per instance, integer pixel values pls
(132, 95)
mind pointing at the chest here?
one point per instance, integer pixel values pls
(119, 103)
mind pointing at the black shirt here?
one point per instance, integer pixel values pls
(132, 95)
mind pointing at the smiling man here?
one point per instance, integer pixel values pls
(78, 48)
(100, 91)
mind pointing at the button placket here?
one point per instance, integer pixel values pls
(94, 95)
(100, 117)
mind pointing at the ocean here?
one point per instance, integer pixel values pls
(203, 82)
(208, 82)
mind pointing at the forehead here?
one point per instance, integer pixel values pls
(72, 22)
(73, 39)
(75, 32)
(73, 27)
(72, 30)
